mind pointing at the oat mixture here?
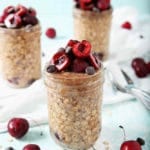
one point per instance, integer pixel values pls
(20, 61)
(74, 106)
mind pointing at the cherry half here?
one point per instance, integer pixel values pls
(60, 60)
(95, 61)
(18, 127)
(131, 144)
(82, 49)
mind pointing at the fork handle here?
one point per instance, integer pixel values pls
(142, 95)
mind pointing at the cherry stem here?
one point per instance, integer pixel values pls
(123, 132)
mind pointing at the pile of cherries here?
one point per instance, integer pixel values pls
(98, 5)
(76, 57)
(18, 128)
(17, 17)
(140, 67)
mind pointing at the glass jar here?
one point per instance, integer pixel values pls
(94, 27)
(20, 55)
(74, 108)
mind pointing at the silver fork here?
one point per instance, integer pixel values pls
(130, 88)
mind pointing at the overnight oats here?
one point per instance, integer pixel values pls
(74, 81)
(92, 21)
(20, 62)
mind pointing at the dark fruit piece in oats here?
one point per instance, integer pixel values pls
(51, 69)
(51, 33)
(60, 60)
(90, 70)
(82, 49)
(18, 127)
(127, 25)
(31, 147)
(79, 65)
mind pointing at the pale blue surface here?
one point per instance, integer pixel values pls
(131, 114)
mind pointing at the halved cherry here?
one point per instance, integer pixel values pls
(32, 11)
(71, 43)
(9, 9)
(21, 10)
(86, 4)
(60, 60)
(82, 49)
(12, 21)
(95, 61)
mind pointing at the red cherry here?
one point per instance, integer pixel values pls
(86, 4)
(79, 65)
(60, 60)
(126, 25)
(103, 4)
(21, 10)
(71, 43)
(148, 66)
(137, 61)
(18, 127)
(2, 18)
(82, 49)
(95, 61)
(9, 9)
(32, 11)
(51, 33)
(12, 21)
(31, 147)
(130, 145)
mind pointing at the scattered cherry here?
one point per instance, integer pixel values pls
(31, 147)
(82, 49)
(130, 144)
(127, 25)
(140, 67)
(51, 33)
(18, 127)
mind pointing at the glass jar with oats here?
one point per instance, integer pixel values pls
(92, 21)
(20, 49)
(74, 82)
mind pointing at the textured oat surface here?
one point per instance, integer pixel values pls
(94, 27)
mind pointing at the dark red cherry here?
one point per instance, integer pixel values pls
(130, 145)
(140, 67)
(86, 4)
(32, 11)
(82, 49)
(60, 60)
(103, 4)
(51, 33)
(31, 147)
(148, 66)
(9, 9)
(18, 127)
(79, 65)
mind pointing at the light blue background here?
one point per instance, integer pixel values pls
(131, 114)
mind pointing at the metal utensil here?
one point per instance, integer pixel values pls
(130, 88)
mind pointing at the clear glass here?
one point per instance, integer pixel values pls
(20, 55)
(74, 108)
(95, 27)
